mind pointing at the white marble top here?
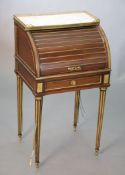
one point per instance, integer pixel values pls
(56, 19)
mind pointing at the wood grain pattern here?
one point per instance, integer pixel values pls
(65, 84)
(56, 52)
(23, 45)
(61, 60)
(59, 49)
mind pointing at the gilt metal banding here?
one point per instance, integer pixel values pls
(39, 87)
(74, 68)
(42, 21)
(29, 25)
(106, 78)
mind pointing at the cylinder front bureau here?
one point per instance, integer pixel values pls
(60, 53)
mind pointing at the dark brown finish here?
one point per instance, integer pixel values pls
(62, 60)
(52, 53)
(79, 82)
(59, 50)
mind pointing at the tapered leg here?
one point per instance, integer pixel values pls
(38, 111)
(100, 117)
(19, 104)
(76, 108)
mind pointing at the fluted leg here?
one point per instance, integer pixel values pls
(19, 104)
(100, 117)
(76, 108)
(38, 111)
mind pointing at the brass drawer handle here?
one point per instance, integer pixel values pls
(74, 68)
(73, 83)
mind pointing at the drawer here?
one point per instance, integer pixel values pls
(73, 83)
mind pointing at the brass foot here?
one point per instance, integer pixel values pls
(96, 152)
(75, 128)
(19, 135)
(37, 165)
(20, 138)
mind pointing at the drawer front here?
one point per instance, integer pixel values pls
(72, 83)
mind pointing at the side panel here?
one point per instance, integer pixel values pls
(106, 43)
(24, 50)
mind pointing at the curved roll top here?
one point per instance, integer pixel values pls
(63, 49)
(77, 49)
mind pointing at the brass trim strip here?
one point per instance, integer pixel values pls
(72, 55)
(74, 31)
(74, 45)
(106, 78)
(74, 74)
(66, 36)
(84, 37)
(86, 41)
(70, 50)
(30, 27)
(100, 62)
(39, 87)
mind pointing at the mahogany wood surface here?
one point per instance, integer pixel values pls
(50, 57)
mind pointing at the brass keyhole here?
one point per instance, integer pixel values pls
(74, 68)
(73, 82)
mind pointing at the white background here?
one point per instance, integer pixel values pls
(62, 151)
